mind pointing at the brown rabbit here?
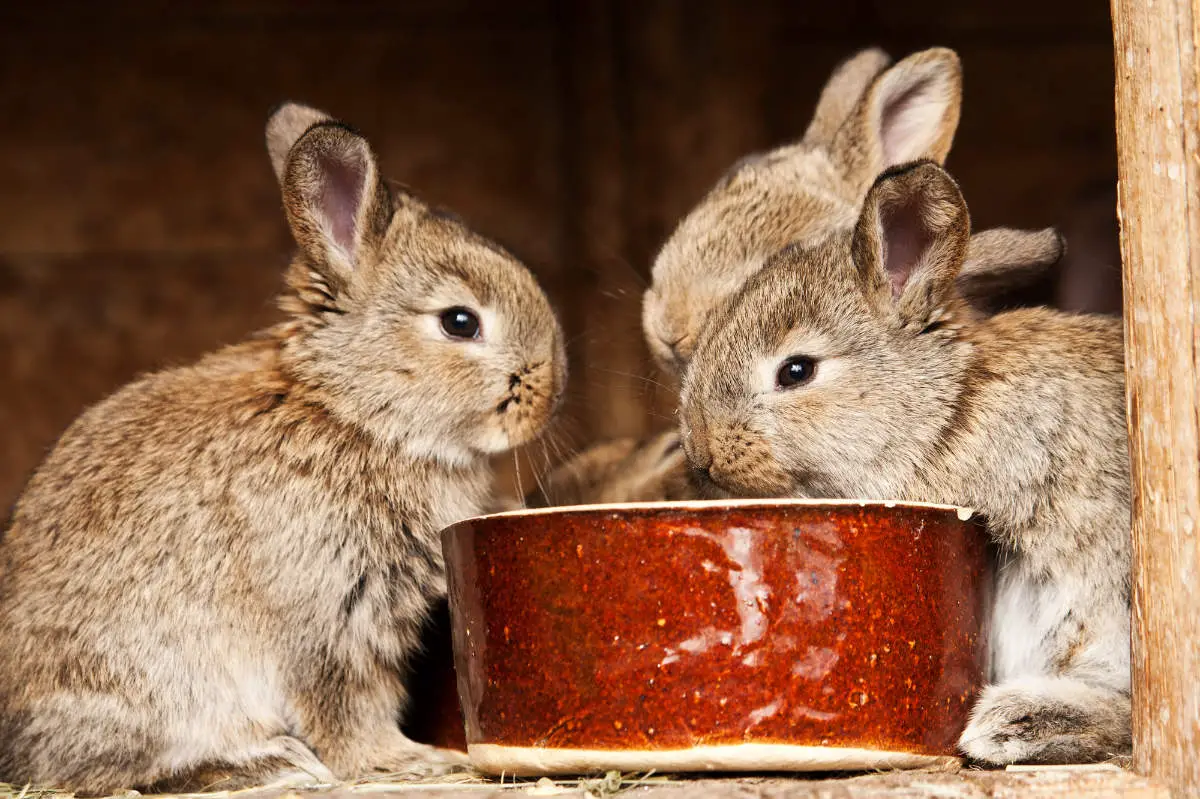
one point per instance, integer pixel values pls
(221, 570)
(626, 470)
(853, 369)
(869, 117)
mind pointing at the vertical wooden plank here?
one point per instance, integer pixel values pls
(1159, 206)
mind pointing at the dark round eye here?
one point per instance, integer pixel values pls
(796, 371)
(460, 323)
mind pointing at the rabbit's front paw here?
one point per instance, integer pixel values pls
(424, 763)
(1047, 720)
(403, 759)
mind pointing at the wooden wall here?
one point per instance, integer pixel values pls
(140, 224)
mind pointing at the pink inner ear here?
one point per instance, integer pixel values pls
(909, 122)
(905, 240)
(342, 179)
(898, 125)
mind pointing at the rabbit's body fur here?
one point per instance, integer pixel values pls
(246, 500)
(220, 572)
(619, 470)
(1019, 415)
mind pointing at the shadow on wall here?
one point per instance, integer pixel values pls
(1089, 279)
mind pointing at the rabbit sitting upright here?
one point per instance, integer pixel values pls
(221, 570)
(853, 369)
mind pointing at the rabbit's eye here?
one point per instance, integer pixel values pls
(460, 323)
(796, 371)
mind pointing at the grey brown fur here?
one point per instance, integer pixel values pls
(1019, 415)
(220, 572)
(619, 470)
(871, 114)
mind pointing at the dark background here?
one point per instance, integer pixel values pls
(140, 224)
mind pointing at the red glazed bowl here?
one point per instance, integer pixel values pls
(733, 635)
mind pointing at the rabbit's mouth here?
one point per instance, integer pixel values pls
(527, 406)
(720, 482)
(705, 486)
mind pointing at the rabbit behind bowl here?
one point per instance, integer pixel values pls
(220, 572)
(655, 469)
(854, 369)
(870, 115)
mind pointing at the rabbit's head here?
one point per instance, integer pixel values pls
(406, 324)
(839, 367)
(869, 117)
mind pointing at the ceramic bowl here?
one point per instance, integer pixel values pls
(735, 635)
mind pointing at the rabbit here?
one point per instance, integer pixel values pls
(626, 470)
(619, 470)
(869, 116)
(221, 570)
(854, 369)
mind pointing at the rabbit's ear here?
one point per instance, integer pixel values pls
(910, 112)
(287, 124)
(842, 92)
(336, 204)
(911, 240)
(1003, 259)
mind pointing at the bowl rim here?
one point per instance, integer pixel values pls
(964, 513)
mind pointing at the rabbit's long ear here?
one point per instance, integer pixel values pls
(842, 92)
(911, 240)
(1003, 259)
(336, 204)
(909, 112)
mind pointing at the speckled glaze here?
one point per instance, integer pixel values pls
(680, 625)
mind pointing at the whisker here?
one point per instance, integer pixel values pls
(520, 488)
(561, 453)
(633, 375)
(610, 257)
(583, 335)
(537, 477)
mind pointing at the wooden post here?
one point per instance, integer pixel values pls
(1158, 143)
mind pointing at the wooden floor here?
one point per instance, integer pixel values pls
(1045, 782)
